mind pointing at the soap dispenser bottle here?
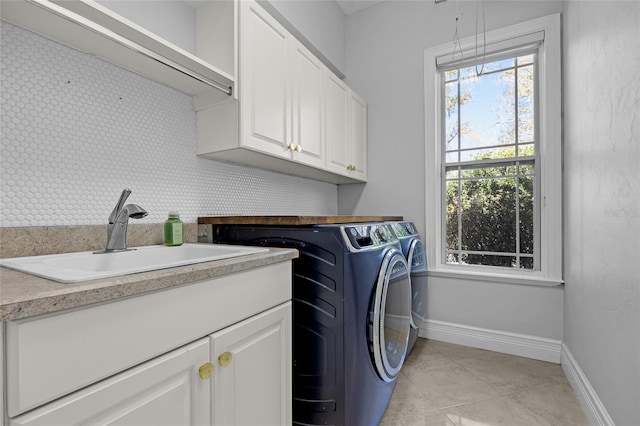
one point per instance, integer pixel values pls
(173, 230)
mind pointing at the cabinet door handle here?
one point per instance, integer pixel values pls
(206, 370)
(291, 147)
(225, 359)
(298, 148)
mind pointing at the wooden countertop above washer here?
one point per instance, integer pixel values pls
(292, 220)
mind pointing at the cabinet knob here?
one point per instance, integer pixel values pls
(291, 147)
(206, 370)
(298, 148)
(225, 359)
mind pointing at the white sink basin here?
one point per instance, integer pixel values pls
(82, 266)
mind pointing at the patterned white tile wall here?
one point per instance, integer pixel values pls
(76, 130)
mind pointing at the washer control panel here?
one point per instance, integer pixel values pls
(366, 236)
(403, 229)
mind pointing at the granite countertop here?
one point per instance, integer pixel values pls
(23, 295)
(292, 220)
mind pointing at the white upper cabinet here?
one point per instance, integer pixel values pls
(345, 130)
(308, 101)
(96, 29)
(278, 121)
(280, 91)
(337, 130)
(265, 106)
(358, 139)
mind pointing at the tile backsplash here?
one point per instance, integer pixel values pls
(76, 130)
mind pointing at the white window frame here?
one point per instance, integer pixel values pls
(549, 154)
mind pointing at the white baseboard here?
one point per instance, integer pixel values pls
(589, 401)
(494, 340)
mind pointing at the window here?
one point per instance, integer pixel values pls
(493, 136)
(489, 163)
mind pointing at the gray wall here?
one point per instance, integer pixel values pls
(385, 54)
(320, 23)
(602, 202)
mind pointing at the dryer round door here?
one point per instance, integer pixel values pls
(391, 315)
(417, 260)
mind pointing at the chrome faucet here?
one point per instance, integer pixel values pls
(118, 221)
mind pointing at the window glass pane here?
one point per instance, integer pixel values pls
(526, 168)
(489, 260)
(451, 157)
(452, 215)
(526, 130)
(526, 150)
(488, 215)
(526, 196)
(453, 257)
(527, 59)
(488, 153)
(467, 72)
(450, 75)
(487, 117)
(451, 116)
(487, 172)
(526, 262)
(496, 66)
(452, 173)
(521, 168)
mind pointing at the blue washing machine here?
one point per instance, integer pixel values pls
(413, 249)
(351, 316)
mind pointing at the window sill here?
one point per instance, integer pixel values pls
(498, 278)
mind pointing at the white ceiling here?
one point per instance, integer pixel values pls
(353, 6)
(347, 6)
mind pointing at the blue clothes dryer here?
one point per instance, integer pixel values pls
(414, 251)
(351, 316)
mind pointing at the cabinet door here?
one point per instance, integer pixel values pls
(337, 132)
(164, 391)
(252, 384)
(264, 82)
(358, 137)
(308, 95)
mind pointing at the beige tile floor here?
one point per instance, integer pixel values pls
(445, 385)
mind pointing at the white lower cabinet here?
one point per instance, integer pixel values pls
(164, 391)
(240, 375)
(253, 383)
(213, 352)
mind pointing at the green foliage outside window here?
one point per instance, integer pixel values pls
(485, 204)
